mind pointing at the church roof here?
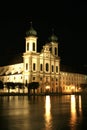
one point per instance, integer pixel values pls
(53, 37)
(31, 31)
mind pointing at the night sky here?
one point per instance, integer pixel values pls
(69, 20)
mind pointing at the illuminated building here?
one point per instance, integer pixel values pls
(42, 67)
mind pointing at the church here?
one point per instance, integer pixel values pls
(43, 67)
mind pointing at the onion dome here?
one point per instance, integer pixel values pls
(53, 37)
(31, 31)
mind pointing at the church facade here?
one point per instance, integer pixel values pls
(42, 67)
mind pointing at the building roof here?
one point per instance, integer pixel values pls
(31, 31)
(53, 37)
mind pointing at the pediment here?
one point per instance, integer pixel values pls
(47, 55)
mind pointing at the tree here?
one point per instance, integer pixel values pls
(20, 86)
(10, 84)
(33, 85)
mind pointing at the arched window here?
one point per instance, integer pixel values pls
(47, 67)
(33, 46)
(28, 46)
(34, 66)
(41, 67)
(55, 51)
(26, 66)
(52, 68)
(26, 82)
(56, 68)
(51, 49)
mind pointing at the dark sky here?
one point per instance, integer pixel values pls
(69, 20)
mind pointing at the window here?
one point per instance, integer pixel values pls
(33, 46)
(26, 66)
(41, 67)
(41, 78)
(56, 79)
(55, 51)
(47, 66)
(34, 66)
(33, 78)
(26, 82)
(56, 68)
(51, 49)
(52, 68)
(28, 46)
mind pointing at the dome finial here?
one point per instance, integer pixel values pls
(31, 31)
(53, 37)
(31, 24)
